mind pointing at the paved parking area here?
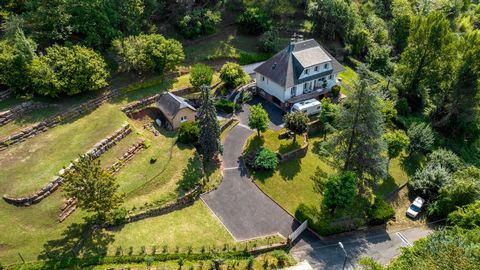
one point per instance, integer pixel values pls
(274, 113)
(238, 203)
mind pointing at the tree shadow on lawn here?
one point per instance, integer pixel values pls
(191, 176)
(386, 187)
(78, 239)
(254, 144)
(411, 163)
(288, 170)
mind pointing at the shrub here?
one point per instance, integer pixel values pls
(253, 21)
(428, 181)
(421, 138)
(119, 216)
(281, 257)
(335, 90)
(199, 22)
(201, 75)
(188, 132)
(226, 106)
(233, 75)
(265, 159)
(402, 106)
(380, 212)
(445, 158)
(269, 42)
(340, 191)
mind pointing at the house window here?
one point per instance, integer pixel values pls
(326, 66)
(306, 71)
(294, 91)
(316, 68)
(183, 119)
(263, 78)
(330, 77)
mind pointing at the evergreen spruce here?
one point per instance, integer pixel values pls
(209, 137)
(359, 142)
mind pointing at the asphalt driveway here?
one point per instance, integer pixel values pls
(238, 203)
(274, 113)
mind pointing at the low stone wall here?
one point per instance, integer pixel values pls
(17, 111)
(227, 124)
(5, 94)
(181, 202)
(95, 152)
(127, 156)
(297, 153)
(268, 248)
(53, 121)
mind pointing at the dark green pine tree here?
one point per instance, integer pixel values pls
(209, 137)
(359, 142)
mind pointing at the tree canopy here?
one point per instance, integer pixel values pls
(296, 122)
(201, 75)
(95, 188)
(209, 135)
(340, 191)
(68, 70)
(258, 118)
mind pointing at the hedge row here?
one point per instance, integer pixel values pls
(70, 262)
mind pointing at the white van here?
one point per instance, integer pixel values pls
(309, 106)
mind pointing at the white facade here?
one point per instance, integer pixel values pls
(283, 94)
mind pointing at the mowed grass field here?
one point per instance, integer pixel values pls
(34, 231)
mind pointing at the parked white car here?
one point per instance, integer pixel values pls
(309, 106)
(416, 207)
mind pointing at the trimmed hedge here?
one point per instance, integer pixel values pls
(71, 262)
(226, 106)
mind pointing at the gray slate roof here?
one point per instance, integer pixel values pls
(171, 104)
(286, 66)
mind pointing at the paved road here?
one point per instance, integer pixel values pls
(378, 244)
(239, 204)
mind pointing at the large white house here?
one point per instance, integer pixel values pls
(301, 71)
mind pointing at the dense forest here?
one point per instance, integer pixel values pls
(422, 57)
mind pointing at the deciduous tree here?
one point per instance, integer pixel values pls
(64, 70)
(296, 122)
(233, 75)
(258, 119)
(397, 141)
(340, 191)
(95, 188)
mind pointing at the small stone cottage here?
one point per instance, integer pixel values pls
(176, 110)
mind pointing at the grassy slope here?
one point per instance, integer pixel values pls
(27, 230)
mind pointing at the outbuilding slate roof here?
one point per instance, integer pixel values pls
(171, 104)
(285, 67)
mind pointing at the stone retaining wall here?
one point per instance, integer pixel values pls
(17, 111)
(53, 121)
(5, 94)
(127, 156)
(294, 154)
(181, 202)
(95, 152)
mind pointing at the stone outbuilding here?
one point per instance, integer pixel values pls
(176, 110)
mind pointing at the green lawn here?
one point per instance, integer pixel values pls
(349, 77)
(291, 184)
(271, 139)
(29, 165)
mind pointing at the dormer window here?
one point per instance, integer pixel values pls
(306, 71)
(326, 66)
(263, 78)
(316, 68)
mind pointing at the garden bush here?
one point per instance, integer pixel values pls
(380, 212)
(188, 132)
(233, 75)
(421, 138)
(198, 23)
(265, 159)
(335, 90)
(226, 106)
(427, 182)
(269, 41)
(119, 216)
(253, 21)
(402, 106)
(319, 225)
(200, 75)
(445, 158)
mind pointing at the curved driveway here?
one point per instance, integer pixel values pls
(240, 205)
